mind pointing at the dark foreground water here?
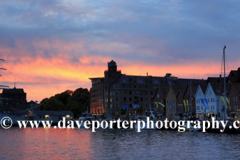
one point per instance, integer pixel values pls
(115, 144)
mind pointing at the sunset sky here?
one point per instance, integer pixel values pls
(52, 46)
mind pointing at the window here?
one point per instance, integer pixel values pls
(124, 98)
(209, 92)
(236, 98)
(157, 95)
(130, 99)
(201, 107)
(199, 93)
(124, 92)
(198, 100)
(130, 92)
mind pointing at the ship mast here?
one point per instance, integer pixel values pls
(3, 86)
(225, 107)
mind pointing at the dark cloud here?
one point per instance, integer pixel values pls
(141, 31)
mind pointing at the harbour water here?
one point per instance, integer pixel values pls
(115, 144)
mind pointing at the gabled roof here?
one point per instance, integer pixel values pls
(194, 87)
(162, 91)
(179, 89)
(234, 76)
(219, 90)
(203, 87)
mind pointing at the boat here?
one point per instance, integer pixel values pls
(85, 117)
(229, 126)
(144, 118)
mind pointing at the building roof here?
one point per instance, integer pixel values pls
(179, 89)
(53, 113)
(127, 79)
(204, 87)
(162, 91)
(236, 86)
(14, 90)
(188, 81)
(219, 90)
(96, 78)
(194, 87)
(112, 63)
(216, 79)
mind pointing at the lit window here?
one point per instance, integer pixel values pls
(67, 116)
(46, 116)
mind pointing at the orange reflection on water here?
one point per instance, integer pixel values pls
(47, 143)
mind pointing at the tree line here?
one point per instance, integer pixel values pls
(77, 101)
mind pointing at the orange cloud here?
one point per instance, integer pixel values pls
(70, 66)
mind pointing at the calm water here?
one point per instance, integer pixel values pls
(115, 144)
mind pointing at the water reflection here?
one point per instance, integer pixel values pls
(115, 144)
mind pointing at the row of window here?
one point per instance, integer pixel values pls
(209, 107)
(235, 99)
(211, 99)
(136, 93)
(130, 105)
(236, 107)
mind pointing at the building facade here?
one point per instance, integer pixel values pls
(234, 100)
(211, 102)
(116, 94)
(14, 100)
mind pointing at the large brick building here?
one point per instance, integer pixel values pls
(115, 94)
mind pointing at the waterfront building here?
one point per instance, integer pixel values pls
(234, 100)
(174, 98)
(200, 109)
(55, 116)
(211, 102)
(188, 103)
(14, 100)
(159, 101)
(116, 94)
(234, 76)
